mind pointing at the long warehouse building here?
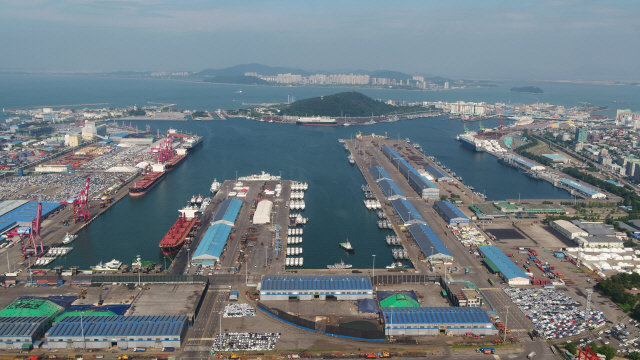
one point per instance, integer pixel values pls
(434, 250)
(210, 249)
(450, 213)
(436, 320)
(407, 212)
(20, 332)
(127, 332)
(498, 262)
(316, 287)
(425, 188)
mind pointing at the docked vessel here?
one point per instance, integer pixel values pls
(396, 265)
(346, 245)
(176, 159)
(174, 239)
(352, 160)
(140, 263)
(150, 180)
(317, 121)
(264, 177)
(192, 143)
(469, 141)
(340, 265)
(215, 186)
(110, 266)
(68, 239)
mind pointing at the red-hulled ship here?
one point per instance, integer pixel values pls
(149, 181)
(176, 236)
(174, 161)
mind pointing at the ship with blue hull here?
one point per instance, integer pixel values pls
(470, 142)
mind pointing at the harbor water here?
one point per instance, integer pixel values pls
(308, 154)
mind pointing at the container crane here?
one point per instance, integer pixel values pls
(80, 205)
(34, 236)
(165, 150)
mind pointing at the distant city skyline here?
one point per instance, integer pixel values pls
(523, 40)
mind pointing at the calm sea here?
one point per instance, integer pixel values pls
(312, 155)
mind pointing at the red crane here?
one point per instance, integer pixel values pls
(501, 123)
(80, 205)
(34, 232)
(587, 354)
(165, 150)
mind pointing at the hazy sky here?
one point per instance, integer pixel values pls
(513, 39)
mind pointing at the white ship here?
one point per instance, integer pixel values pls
(68, 239)
(352, 160)
(317, 121)
(469, 141)
(264, 176)
(215, 186)
(340, 265)
(111, 265)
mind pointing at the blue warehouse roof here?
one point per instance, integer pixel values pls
(379, 173)
(436, 172)
(166, 325)
(397, 160)
(316, 283)
(526, 163)
(554, 157)
(20, 325)
(507, 267)
(449, 210)
(212, 242)
(25, 213)
(426, 238)
(436, 315)
(407, 211)
(391, 189)
(578, 186)
(228, 211)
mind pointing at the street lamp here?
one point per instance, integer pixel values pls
(374, 266)
(84, 344)
(506, 321)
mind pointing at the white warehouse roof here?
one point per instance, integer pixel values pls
(263, 213)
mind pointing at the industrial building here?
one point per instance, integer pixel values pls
(559, 159)
(104, 332)
(391, 190)
(513, 208)
(20, 332)
(595, 228)
(450, 213)
(430, 244)
(527, 164)
(379, 173)
(437, 320)
(568, 229)
(463, 294)
(20, 213)
(425, 188)
(498, 262)
(437, 173)
(583, 190)
(407, 212)
(118, 136)
(599, 241)
(93, 129)
(316, 287)
(215, 239)
(263, 213)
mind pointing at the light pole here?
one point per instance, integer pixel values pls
(188, 256)
(236, 175)
(374, 267)
(84, 344)
(518, 198)
(506, 323)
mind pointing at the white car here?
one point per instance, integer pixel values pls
(606, 343)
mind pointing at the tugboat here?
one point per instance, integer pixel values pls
(215, 186)
(397, 265)
(68, 239)
(346, 245)
(352, 160)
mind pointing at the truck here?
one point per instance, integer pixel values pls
(466, 270)
(486, 350)
(531, 355)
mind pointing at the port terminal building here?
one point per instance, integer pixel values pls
(20, 332)
(388, 186)
(104, 332)
(437, 173)
(432, 247)
(425, 188)
(437, 320)
(568, 229)
(316, 287)
(499, 263)
(407, 212)
(450, 213)
(583, 190)
(215, 239)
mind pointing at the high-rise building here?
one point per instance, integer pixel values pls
(581, 134)
(446, 85)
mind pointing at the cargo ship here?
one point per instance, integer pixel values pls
(192, 143)
(149, 181)
(469, 141)
(173, 162)
(317, 121)
(174, 239)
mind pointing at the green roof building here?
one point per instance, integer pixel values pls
(399, 300)
(31, 307)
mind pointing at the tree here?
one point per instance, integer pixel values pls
(572, 348)
(443, 197)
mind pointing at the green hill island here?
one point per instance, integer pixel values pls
(528, 89)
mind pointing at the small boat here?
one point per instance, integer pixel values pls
(352, 160)
(396, 265)
(68, 239)
(346, 245)
(340, 265)
(215, 186)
